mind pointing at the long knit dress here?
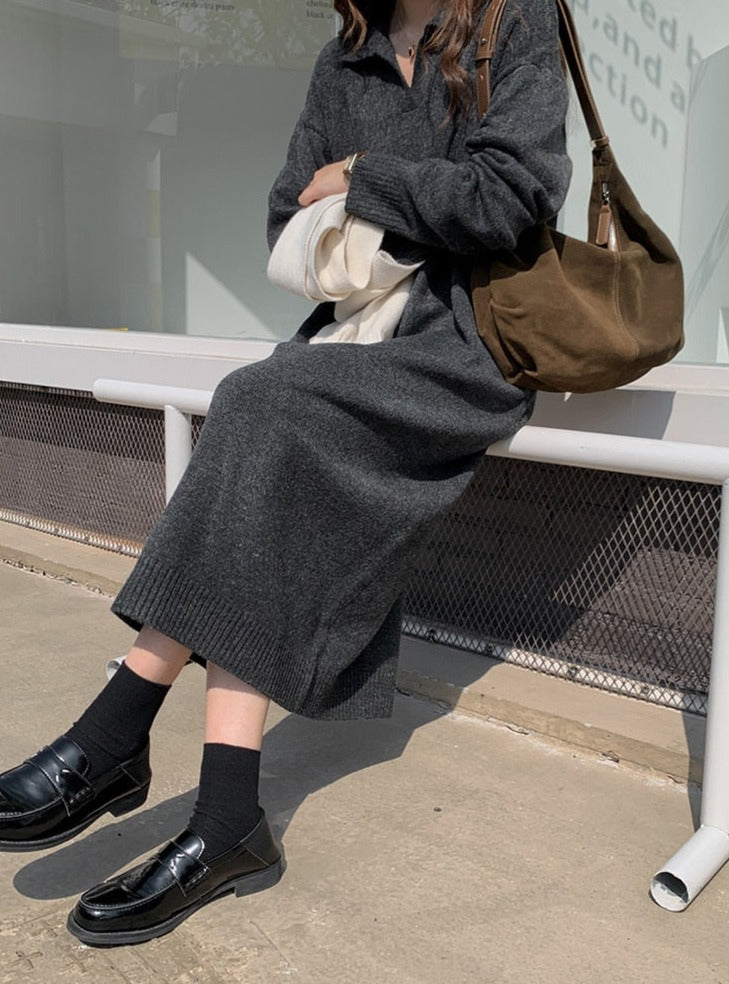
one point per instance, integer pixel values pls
(284, 553)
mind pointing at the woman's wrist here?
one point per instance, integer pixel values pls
(328, 180)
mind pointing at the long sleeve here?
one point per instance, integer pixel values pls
(308, 151)
(517, 172)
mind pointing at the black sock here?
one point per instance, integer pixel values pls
(115, 726)
(227, 801)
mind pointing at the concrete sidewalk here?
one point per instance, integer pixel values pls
(433, 847)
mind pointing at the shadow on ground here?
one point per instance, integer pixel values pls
(300, 758)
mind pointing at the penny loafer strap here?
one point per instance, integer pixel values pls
(181, 857)
(72, 788)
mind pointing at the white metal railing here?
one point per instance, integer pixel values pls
(178, 404)
(681, 879)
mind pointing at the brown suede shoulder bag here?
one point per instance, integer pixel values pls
(564, 315)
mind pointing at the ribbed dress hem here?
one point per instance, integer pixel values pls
(186, 610)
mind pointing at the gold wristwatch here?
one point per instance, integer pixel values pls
(351, 162)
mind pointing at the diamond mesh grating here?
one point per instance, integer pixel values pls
(604, 578)
(601, 577)
(80, 469)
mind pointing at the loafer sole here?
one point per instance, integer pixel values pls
(254, 881)
(117, 808)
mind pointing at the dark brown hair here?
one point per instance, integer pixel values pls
(447, 42)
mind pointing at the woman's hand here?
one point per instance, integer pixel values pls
(329, 180)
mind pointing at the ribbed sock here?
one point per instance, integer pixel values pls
(227, 801)
(115, 726)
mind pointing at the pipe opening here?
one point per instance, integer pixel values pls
(669, 892)
(113, 665)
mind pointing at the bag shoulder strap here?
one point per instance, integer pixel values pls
(485, 52)
(571, 52)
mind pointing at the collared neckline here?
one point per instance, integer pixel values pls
(377, 41)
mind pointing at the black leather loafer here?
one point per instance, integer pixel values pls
(156, 896)
(49, 799)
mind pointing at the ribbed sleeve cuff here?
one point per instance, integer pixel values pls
(377, 190)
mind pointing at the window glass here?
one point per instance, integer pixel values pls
(138, 142)
(660, 73)
(139, 139)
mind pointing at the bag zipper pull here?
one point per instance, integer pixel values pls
(605, 224)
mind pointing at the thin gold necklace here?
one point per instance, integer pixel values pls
(397, 28)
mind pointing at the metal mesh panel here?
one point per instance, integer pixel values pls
(601, 577)
(81, 469)
(605, 578)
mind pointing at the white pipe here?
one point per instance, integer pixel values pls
(690, 869)
(113, 665)
(706, 463)
(696, 863)
(715, 799)
(153, 397)
(178, 447)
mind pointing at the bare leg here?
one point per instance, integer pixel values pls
(235, 713)
(156, 657)
(227, 807)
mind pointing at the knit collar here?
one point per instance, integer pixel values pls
(377, 41)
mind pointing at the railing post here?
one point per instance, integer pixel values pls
(715, 799)
(681, 879)
(178, 447)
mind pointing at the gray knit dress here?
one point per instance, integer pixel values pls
(320, 471)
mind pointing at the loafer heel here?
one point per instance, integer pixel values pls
(129, 803)
(258, 881)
